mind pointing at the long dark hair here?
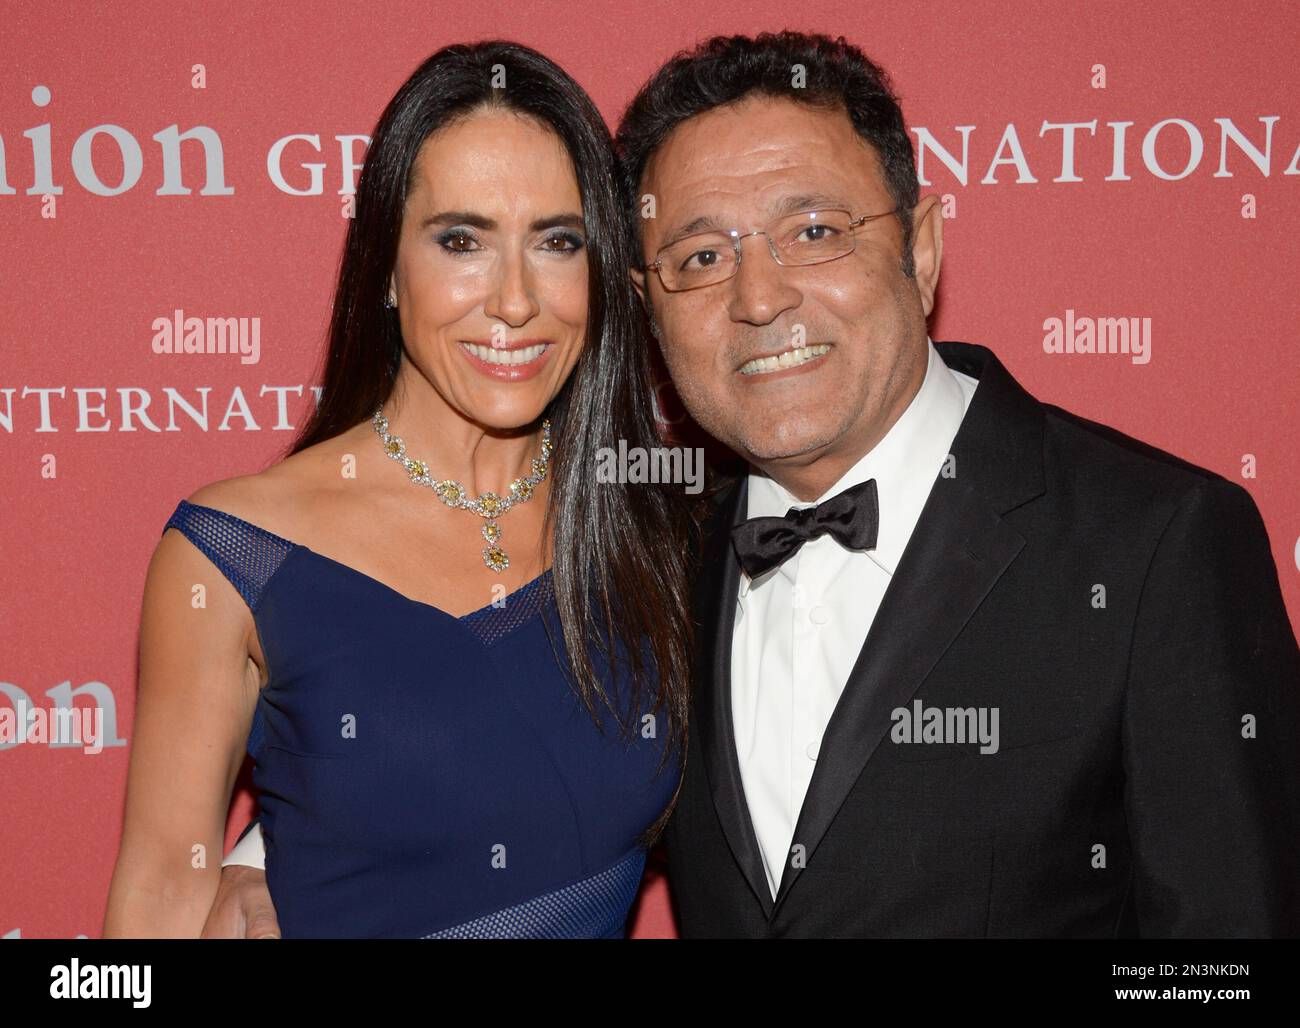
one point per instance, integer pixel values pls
(621, 563)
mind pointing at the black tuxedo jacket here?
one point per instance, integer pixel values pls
(1121, 609)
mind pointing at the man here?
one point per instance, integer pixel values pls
(968, 664)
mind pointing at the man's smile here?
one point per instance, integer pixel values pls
(794, 357)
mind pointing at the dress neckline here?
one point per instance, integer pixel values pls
(487, 608)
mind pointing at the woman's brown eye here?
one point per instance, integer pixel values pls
(456, 241)
(568, 242)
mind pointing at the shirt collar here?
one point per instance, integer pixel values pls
(904, 464)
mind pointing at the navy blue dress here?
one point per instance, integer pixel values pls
(423, 775)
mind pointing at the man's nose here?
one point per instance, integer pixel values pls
(510, 296)
(761, 288)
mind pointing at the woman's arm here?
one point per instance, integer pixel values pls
(194, 706)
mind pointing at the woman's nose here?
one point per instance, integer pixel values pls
(511, 297)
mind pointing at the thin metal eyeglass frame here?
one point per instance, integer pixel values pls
(736, 236)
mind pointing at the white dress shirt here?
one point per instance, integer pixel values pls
(800, 626)
(250, 851)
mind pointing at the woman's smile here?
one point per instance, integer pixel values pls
(514, 362)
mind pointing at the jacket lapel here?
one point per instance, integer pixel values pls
(959, 549)
(716, 589)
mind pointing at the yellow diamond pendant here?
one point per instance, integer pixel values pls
(493, 556)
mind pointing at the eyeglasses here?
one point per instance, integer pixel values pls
(808, 237)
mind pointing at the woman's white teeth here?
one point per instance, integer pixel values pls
(789, 359)
(521, 356)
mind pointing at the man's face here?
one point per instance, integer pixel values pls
(740, 166)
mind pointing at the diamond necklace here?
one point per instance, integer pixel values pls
(453, 494)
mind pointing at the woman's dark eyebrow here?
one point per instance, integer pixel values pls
(569, 220)
(573, 221)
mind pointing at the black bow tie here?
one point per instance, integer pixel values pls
(851, 517)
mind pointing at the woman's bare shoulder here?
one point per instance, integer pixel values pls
(280, 496)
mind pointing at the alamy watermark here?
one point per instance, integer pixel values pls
(922, 724)
(657, 464)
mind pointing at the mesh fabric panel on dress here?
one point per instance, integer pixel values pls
(492, 624)
(247, 555)
(594, 908)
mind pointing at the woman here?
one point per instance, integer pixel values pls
(458, 661)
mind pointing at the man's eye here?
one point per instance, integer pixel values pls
(457, 241)
(703, 259)
(818, 233)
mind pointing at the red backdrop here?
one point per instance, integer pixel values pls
(1192, 226)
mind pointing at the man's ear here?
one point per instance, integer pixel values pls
(927, 248)
(638, 283)
(638, 277)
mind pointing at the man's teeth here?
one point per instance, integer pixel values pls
(789, 359)
(520, 356)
